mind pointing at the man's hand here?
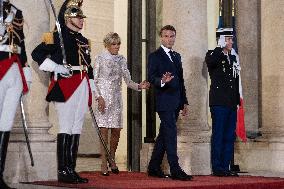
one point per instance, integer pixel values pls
(167, 77)
(101, 104)
(184, 111)
(144, 85)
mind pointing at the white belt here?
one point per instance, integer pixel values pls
(80, 68)
(10, 48)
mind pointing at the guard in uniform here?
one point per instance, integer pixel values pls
(224, 98)
(15, 74)
(69, 90)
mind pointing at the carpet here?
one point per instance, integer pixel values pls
(138, 180)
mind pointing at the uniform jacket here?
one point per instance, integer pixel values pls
(172, 96)
(224, 89)
(15, 36)
(77, 50)
(12, 44)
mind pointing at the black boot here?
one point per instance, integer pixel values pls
(72, 156)
(64, 173)
(4, 140)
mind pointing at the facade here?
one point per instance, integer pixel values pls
(259, 26)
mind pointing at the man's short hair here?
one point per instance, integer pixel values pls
(167, 27)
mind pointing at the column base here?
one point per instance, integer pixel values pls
(262, 154)
(18, 165)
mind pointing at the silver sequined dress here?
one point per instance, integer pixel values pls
(108, 73)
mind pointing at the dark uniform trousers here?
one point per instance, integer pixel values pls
(223, 136)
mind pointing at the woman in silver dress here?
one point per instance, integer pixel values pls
(109, 69)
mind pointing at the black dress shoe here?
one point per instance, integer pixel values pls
(219, 173)
(181, 175)
(67, 175)
(157, 173)
(231, 174)
(81, 179)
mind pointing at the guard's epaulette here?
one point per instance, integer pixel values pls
(47, 38)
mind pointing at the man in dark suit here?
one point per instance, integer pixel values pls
(165, 73)
(224, 98)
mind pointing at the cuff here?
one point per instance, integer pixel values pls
(162, 84)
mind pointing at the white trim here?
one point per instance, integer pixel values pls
(7, 48)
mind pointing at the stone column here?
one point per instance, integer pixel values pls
(18, 167)
(272, 69)
(266, 153)
(248, 34)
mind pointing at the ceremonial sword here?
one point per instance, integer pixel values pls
(1, 12)
(26, 130)
(69, 67)
(110, 159)
(21, 98)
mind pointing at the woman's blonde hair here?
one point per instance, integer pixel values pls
(111, 38)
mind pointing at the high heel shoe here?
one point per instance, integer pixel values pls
(114, 170)
(105, 173)
(104, 170)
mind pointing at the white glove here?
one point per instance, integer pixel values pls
(49, 65)
(60, 69)
(222, 41)
(28, 75)
(92, 85)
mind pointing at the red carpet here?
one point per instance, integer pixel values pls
(135, 180)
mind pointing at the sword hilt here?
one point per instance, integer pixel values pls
(70, 74)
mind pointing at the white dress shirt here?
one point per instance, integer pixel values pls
(167, 50)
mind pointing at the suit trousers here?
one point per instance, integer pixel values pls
(223, 137)
(166, 141)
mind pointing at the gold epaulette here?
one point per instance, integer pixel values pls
(47, 38)
(90, 43)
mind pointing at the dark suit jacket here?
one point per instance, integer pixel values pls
(224, 89)
(172, 96)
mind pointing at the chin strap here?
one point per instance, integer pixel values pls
(73, 24)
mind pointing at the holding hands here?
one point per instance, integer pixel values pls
(144, 85)
(167, 77)
(184, 111)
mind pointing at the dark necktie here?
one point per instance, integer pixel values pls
(172, 56)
